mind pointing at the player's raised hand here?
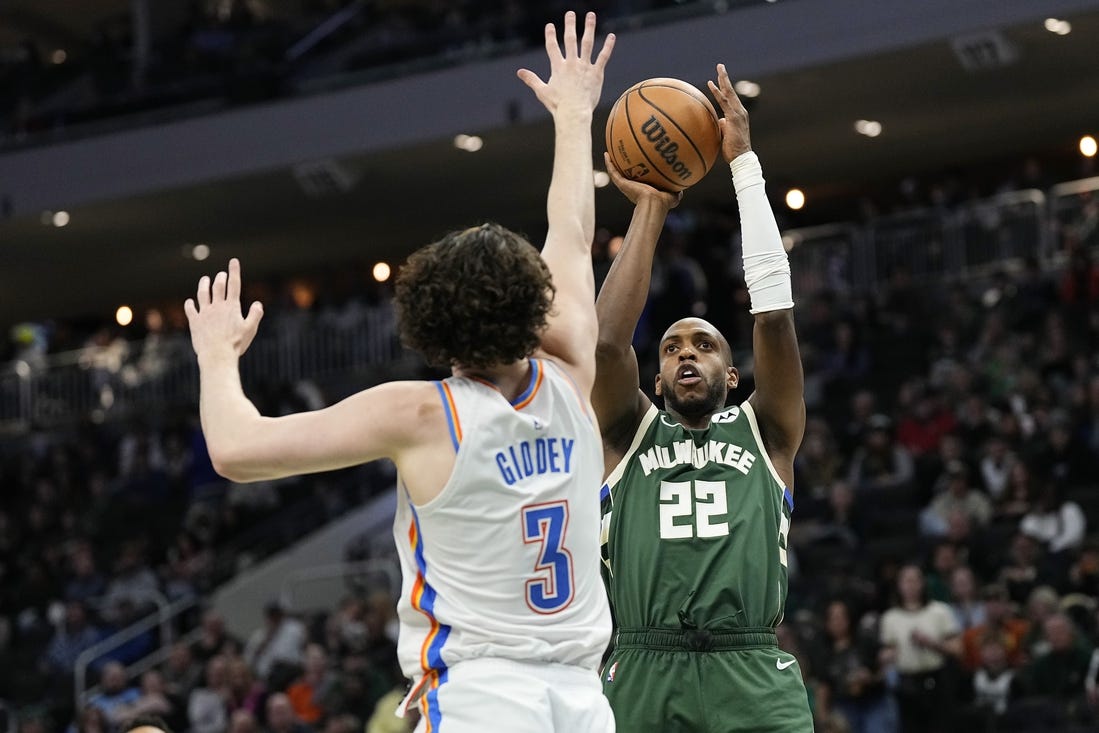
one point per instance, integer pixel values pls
(636, 190)
(735, 139)
(575, 81)
(217, 326)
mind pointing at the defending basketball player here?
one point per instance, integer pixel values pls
(503, 614)
(697, 499)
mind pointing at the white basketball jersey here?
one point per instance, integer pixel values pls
(504, 562)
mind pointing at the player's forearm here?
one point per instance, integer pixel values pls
(626, 289)
(766, 266)
(570, 205)
(227, 416)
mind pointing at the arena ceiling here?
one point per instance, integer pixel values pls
(935, 115)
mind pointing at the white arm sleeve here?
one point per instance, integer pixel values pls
(766, 266)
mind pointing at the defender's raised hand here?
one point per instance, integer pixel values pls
(575, 81)
(735, 139)
(217, 326)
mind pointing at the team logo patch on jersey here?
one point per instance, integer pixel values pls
(726, 415)
(611, 671)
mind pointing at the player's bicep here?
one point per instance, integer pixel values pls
(779, 397)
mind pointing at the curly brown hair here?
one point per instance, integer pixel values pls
(475, 298)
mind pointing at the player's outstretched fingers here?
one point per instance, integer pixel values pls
(190, 310)
(220, 281)
(202, 295)
(553, 50)
(605, 53)
(587, 41)
(251, 325)
(570, 35)
(232, 291)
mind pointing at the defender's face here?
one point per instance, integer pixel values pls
(695, 370)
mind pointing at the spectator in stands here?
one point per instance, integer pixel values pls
(1020, 573)
(243, 721)
(86, 582)
(946, 557)
(214, 640)
(1042, 603)
(918, 637)
(818, 463)
(1058, 524)
(134, 581)
(181, 674)
(281, 717)
(968, 609)
(994, 685)
(151, 701)
(307, 694)
(1059, 675)
(1083, 576)
(146, 723)
(1019, 493)
(281, 640)
(1001, 626)
(879, 463)
(71, 639)
(996, 465)
(116, 696)
(956, 495)
(849, 669)
(207, 707)
(90, 720)
(245, 691)
(920, 431)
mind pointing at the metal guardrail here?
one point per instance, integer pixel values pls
(161, 373)
(161, 619)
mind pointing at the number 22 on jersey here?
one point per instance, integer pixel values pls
(701, 509)
(550, 590)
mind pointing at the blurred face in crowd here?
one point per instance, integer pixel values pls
(280, 714)
(114, 678)
(243, 722)
(1059, 633)
(993, 657)
(910, 584)
(838, 621)
(963, 586)
(217, 672)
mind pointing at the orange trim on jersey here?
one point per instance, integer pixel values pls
(425, 703)
(453, 410)
(417, 597)
(540, 375)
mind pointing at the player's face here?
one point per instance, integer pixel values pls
(696, 373)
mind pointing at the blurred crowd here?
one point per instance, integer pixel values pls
(241, 51)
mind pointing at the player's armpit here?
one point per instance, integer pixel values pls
(381, 422)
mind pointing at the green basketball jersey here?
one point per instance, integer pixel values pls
(695, 525)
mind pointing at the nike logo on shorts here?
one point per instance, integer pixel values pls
(783, 665)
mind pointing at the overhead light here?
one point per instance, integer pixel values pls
(795, 198)
(1088, 146)
(58, 56)
(1058, 26)
(747, 88)
(601, 179)
(124, 315)
(469, 143)
(60, 218)
(870, 128)
(200, 251)
(382, 271)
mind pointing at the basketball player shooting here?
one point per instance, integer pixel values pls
(697, 500)
(503, 614)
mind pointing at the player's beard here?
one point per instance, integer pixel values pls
(696, 404)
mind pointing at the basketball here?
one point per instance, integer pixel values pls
(663, 132)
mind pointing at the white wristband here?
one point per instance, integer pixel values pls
(766, 266)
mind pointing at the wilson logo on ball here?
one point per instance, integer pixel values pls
(654, 132)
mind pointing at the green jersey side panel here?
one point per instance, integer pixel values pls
(695, 525)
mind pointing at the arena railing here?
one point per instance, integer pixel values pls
(1074, 217)
(161, 620)
(160, 374)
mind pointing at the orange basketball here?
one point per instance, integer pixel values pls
(663, 132)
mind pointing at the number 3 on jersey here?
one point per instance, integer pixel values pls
(550, 590)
